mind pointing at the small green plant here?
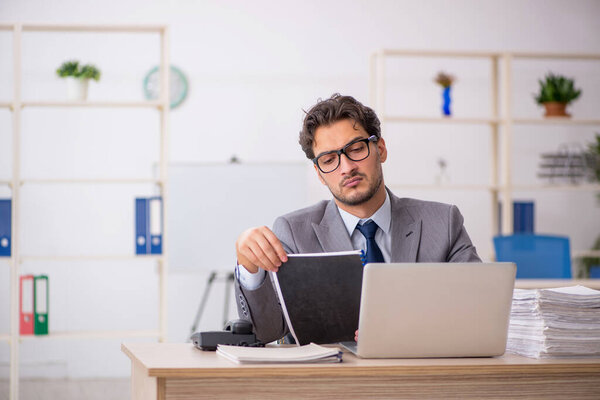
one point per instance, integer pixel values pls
(72, 68)
(444, 79)
(68, 68)
(557, 88)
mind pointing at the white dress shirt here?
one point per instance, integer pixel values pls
(382, 217)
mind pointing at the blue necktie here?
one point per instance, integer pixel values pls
(368, 230)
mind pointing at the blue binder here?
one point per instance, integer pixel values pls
(155, 224)
(523, 217)
(141, 226)
(5, 227)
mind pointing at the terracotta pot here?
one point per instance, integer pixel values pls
(556, 109)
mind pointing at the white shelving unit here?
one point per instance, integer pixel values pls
(500, 123)
(16, 106)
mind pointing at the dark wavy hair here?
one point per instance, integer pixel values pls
(334, 109)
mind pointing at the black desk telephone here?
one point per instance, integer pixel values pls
(237, 332)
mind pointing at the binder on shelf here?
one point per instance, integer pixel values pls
(141, 226)
(523, 217)
(155, 224)
(5, 227)
(40, 326)
(26, 305)
(148, 225)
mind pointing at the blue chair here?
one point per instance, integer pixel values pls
(536, 256)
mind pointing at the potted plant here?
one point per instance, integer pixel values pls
(445, 81)
(556, 92)
(78, 78)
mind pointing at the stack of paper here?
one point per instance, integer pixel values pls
(561, 322)
(310, 353)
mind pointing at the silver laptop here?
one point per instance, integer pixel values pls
(414, 310)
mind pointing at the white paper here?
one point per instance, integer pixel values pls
(560, 322)
(297, 354)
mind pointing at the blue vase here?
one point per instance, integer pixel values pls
(446, 101)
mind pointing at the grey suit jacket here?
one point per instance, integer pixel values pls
(421, 231)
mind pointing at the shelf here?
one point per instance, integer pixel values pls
(92, 181)
(555, 121)
(492, 121)
(555, 187)
(443, 187)
(430, 53)
(94, 335)
(441, 120)
(126, 257)
(563, 56)
(487, 54)
(585, 253)
(115, 104)
(17, 104)
(514, 188)
(93, 28)
(85, 28)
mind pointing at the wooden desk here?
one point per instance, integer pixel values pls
(553, 283)
(179, 371)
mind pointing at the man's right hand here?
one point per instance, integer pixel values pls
(259, 248)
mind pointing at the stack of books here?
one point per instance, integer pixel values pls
(561, 322)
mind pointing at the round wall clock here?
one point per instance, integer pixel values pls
(178, 85)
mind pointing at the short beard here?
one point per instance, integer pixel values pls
(362, 198)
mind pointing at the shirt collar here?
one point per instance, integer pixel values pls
(382, 217)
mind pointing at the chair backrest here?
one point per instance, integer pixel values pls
(536, 256)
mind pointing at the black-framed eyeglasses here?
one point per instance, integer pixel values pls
(356, 150)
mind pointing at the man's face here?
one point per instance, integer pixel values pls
(353, 182)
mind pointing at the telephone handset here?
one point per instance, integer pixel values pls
(237, 332)
(239, 326)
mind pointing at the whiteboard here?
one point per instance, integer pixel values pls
(211, 204)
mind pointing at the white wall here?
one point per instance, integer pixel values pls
(252, 68)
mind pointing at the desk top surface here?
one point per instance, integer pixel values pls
(184, 360)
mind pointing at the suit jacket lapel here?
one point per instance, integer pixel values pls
(406, 233)
(331, 231)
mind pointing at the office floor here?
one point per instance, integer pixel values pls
(70, 389)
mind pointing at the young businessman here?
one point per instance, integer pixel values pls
(343, 139)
